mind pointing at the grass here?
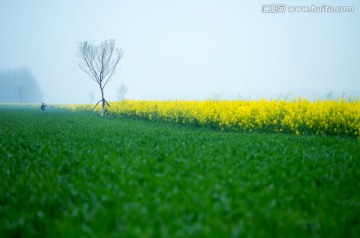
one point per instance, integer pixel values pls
(66, 174)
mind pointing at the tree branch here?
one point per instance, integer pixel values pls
(107, 103)
(96, 105)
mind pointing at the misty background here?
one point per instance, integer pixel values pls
(182, 49)
(19, 86)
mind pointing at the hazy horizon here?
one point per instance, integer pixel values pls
(185, 49)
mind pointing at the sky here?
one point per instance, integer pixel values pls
(185, 49)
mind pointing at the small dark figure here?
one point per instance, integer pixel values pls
(43, 107)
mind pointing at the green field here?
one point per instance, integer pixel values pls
(74, 174)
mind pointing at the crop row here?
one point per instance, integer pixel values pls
(300, 116)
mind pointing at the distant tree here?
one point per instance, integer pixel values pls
(330, 95)
(242, 98)
(19, 85)
(100, 63)
(343, 95)
(121, 92)
(214, 97)
(21, 91)
(284, 97)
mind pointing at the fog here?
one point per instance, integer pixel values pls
(18, 86)
(185, 49)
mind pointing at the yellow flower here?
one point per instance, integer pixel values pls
(298, 116)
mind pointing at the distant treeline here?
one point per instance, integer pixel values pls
(19, 86)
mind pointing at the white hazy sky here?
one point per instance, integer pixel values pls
(185, 49)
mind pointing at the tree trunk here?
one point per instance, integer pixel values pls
(103, 108)
(102, 101)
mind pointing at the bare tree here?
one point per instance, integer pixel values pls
(121, 92)
(19, 85)
(99, 62)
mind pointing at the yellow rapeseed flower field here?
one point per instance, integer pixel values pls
(300, 116)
